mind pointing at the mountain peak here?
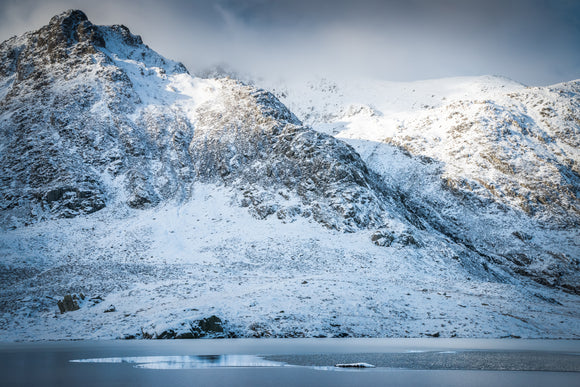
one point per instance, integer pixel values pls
(69, 19)
(72, 31)
(66, 30)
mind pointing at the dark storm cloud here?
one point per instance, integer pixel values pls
(533, 41)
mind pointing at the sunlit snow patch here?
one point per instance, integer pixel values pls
(187, 362)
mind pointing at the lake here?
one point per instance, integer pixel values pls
(293, 362)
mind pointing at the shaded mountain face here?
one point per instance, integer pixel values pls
(91, 117)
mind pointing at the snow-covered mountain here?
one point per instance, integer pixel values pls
(367, 209)
(90, 117)
(499, 140)
(486, 161)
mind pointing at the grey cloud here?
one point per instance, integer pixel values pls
(533, 41)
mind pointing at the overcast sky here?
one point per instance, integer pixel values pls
(536, 42)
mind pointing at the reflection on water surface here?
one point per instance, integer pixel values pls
(187, 362)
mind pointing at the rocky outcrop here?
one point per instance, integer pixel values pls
(68, 304)
(247, 138)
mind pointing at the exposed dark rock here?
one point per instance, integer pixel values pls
(354, 365)
(207, 327)
(548, 299)
(522, 236)
(294, 334)
(185, 335)
(95, 300)
(511, 337)
(68, 304)
(571, 288)
(168, 334)
(519, 259)
(211, 324)
(145, 335)
(382, 238)
(259, 330)
(407, 239)
(110, 309)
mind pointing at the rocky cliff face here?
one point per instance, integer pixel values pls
(65, 121)
(248, 139)
(90, 116)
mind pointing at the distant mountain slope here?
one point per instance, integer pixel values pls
(497, 139)
(486, 161)
(520, 149)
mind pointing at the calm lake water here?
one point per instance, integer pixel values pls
(292, 362)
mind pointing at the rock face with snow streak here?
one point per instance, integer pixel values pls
(247, 138)
(90, 116)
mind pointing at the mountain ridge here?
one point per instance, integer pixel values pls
(436, 162)
(141, 135)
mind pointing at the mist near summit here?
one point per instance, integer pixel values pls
(535, 42)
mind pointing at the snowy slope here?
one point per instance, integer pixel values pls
(164, 268)
(488, 162)
(494, 137)
(165, 199)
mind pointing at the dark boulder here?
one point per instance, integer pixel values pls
(68, 304)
